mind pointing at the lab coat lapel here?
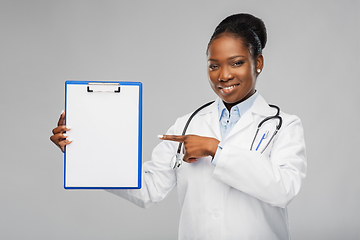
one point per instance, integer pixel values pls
(213, 119)
(242, 124)
(260, 107)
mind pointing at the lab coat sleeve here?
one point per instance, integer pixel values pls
(274, 178)
(158, 178)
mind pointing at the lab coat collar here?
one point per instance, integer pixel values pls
(210, 109)
(260, 107)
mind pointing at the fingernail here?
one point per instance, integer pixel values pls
(68, 127)
(160, 136)
(70, 139)
(65, 135)
(62, 112)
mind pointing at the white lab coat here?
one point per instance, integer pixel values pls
(246, 194)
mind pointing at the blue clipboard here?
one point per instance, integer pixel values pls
(106, 129)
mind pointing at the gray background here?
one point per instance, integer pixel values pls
(311, 70)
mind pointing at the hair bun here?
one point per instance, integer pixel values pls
(252, 22)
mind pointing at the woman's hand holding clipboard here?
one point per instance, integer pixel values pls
(59, 136)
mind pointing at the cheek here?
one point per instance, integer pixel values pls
(246, 74)
(212, 80)
(213, 75)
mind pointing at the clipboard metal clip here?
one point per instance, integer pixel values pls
(103, 87)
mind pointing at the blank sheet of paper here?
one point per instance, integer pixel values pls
(106, 132)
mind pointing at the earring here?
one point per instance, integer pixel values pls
(259, 70)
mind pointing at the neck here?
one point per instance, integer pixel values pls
(230, 105)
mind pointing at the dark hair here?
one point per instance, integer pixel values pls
(250, 29)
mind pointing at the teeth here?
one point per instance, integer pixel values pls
(227, 88)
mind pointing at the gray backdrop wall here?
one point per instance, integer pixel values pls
(311, 70)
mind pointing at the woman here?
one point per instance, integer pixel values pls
(230, 186)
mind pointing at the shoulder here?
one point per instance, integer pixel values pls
(262, 110)
(202, 110)
(198, 114)
(262, 107)
(291, 124)
(289, 118)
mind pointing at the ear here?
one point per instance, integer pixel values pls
(259, 63)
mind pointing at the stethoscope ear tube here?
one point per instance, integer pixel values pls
(257, 131)
(276, 131)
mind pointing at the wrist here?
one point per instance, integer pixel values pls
(213, 147)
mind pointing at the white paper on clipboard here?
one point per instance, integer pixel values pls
(106, 129)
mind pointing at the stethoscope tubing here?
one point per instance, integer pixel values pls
(178, 161)
(189, 120)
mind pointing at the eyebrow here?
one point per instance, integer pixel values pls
(230, 58)
(236, 57)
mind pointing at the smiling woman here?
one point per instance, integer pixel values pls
(235, 57)
(232, 71)
(227, 189)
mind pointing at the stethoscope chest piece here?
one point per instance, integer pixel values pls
(176, 162)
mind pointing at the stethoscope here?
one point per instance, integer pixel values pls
(177, 161)
(278, 126)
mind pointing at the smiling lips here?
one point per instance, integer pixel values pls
(228, 89)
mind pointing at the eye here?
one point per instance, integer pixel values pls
(238, 63)
(213, 67)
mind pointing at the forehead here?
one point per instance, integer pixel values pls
(227, 46)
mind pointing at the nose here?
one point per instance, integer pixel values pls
(225, 74)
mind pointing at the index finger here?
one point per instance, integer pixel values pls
(175, 138)
(61, 119)
(60, 129)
